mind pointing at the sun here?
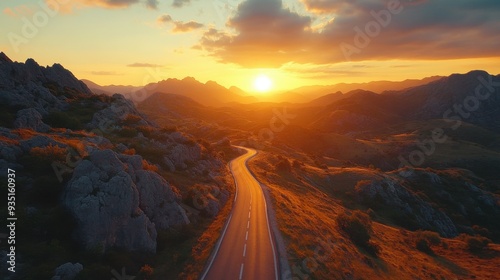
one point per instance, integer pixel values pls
(263, 83)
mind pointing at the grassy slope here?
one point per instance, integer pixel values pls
(306, 217)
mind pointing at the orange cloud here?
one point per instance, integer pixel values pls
(107, 4)
(266, 34)
(18, 11)
(9, 12)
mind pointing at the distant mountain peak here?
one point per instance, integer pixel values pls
(470, 74)
(188, 78)
(4, 58)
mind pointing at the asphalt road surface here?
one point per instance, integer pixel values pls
(246, 249)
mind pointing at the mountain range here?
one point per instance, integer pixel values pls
(213, 94)
(401, 182)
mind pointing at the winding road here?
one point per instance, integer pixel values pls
(246, 249)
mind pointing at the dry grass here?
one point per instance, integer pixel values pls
(49, 153)
(306, 217)
(9, 141)
(25, 133)
(149, 166)
(204, 245)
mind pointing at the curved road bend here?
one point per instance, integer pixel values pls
(246, 248)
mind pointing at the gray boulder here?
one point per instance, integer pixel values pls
(30, 118)
(393, 194)
(159, 201)
(105, 203)
(117, 204)
(67, 271)
(181, 155)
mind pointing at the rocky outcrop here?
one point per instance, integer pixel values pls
(30, 95)
(117, 204)
(30, 118)
(14, 74)
(158, 200)
(67, 271)
(41, 89)
(392, 194)
(108, 118)
(181, 155)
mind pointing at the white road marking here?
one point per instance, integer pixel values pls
(249, 214)
(245, 250)
(248, 224)
(246, 237)
(241, 271)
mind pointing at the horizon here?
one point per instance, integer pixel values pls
(234, 42)
(270, 92)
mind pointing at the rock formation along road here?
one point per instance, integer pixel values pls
(246, 249)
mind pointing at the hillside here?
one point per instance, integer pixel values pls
(309, 93)
(350, 156)
(98, 182)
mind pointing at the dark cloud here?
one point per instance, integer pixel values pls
(180, 3)
(179, 26)
(164, 19)
(266, 34)
(152, 4)
(112, 3)
(104, 73)
(145, 65)
(323, 71)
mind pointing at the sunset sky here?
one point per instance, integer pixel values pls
(293, 42)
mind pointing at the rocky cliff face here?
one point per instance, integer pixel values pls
(116, 197)
(394, 195)
(118, 204)
(446, 201)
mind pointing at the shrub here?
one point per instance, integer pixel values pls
(357, 225)
(147, 131)
(284, 165)
(169, 129)
(128, 132)
(370, 213)
(424, 239)
(423, 246)
(150, 153)
(131, 119)
(129, 152)
(297, 164)
(145, 273)
(481, 231)
(475, 243)
(63, 120)
(189, 142)
(205, 144)
(430, 236)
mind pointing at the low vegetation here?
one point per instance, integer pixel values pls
(425, 239)
(475, 243)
